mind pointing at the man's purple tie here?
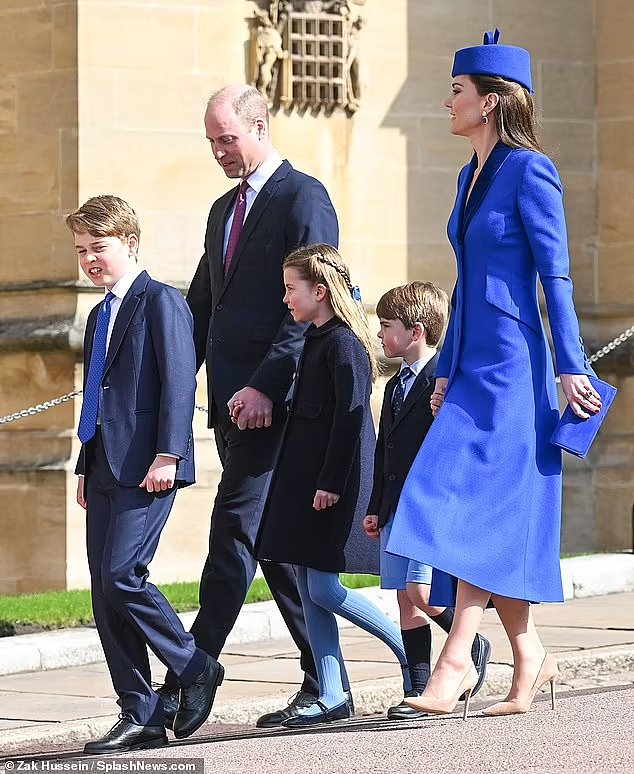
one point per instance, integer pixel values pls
(236, 224)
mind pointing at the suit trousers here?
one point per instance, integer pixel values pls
(247, 457)
(123, 527)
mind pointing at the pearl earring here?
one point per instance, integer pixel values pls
(485, 120)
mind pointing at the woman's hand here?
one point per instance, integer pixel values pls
(580, 394)
(438, 395)
(324, 499)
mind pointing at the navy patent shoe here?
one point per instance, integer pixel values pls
(340, 712)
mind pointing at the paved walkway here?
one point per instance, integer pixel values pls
(593, 639)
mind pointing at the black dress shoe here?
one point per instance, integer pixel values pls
(403, 711)
(481, 659)
(341, 712)
(125, 736)
(169, 699)
(197, 699)
(300, 701)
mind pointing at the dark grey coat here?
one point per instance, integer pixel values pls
(328, 444)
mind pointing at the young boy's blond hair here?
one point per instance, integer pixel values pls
(104, 216)
(421, 302)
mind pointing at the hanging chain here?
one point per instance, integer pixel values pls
(39, 408)
(29, 412)
(51, 404)
(612, 345)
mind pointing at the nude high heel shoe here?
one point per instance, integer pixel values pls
(548, 673)
(446, 706)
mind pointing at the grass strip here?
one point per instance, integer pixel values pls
(66, 609)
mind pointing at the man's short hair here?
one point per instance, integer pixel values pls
(246, 101)
(421, 302)
(104, 216)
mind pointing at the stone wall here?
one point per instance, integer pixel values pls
(108, 97)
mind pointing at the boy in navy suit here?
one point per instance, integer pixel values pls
(137, 449)
(412, 319)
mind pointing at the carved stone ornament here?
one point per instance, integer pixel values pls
(304, 53)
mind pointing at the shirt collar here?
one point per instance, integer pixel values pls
(263, 173)
(120, 288)
(418, 365)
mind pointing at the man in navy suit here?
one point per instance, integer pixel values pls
(137, 449)
(251, 347)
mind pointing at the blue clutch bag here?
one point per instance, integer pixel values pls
(575, 435)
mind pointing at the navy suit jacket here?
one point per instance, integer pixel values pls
(398, 442)
(149, 383)
(241, 327)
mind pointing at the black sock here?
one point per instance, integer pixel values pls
(445, 619)
(417, 644)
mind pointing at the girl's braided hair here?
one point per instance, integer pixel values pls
(322, 264)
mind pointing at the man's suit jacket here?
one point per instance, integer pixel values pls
(399, 442)
(241, 327)
(149, 383)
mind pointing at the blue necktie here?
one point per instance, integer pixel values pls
(90, 407)
(398, 398)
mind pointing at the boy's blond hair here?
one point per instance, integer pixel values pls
(421, 302)
(104, 216)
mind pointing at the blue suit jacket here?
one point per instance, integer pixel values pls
(525, 236)
(149, 383)
(241, 327)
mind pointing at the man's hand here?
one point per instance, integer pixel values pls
(250, 408)
(80, 492)
(438, 395)
(371, 527)
(324, 499)
(161, 474)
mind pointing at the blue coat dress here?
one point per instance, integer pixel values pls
(482, 500)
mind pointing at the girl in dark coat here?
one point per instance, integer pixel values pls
(323, 477)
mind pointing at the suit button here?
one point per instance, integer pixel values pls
(391, 477)
(390, 446)
(219, 307)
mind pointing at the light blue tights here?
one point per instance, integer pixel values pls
(322, 596)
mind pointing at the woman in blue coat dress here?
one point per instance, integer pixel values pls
(482, 501)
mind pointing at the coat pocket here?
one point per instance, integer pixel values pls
(309, 410)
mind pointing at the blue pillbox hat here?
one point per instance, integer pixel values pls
(491, 58)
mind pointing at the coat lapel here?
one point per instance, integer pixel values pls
(491, 167)
(455, 229)
(124, 315)
(387, 403)
(91, 324)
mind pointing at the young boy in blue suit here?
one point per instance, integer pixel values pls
(412, 319)
(137, 449)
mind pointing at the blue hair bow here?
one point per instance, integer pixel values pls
(356, 293)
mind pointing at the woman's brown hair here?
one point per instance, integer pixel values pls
(515, 112)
